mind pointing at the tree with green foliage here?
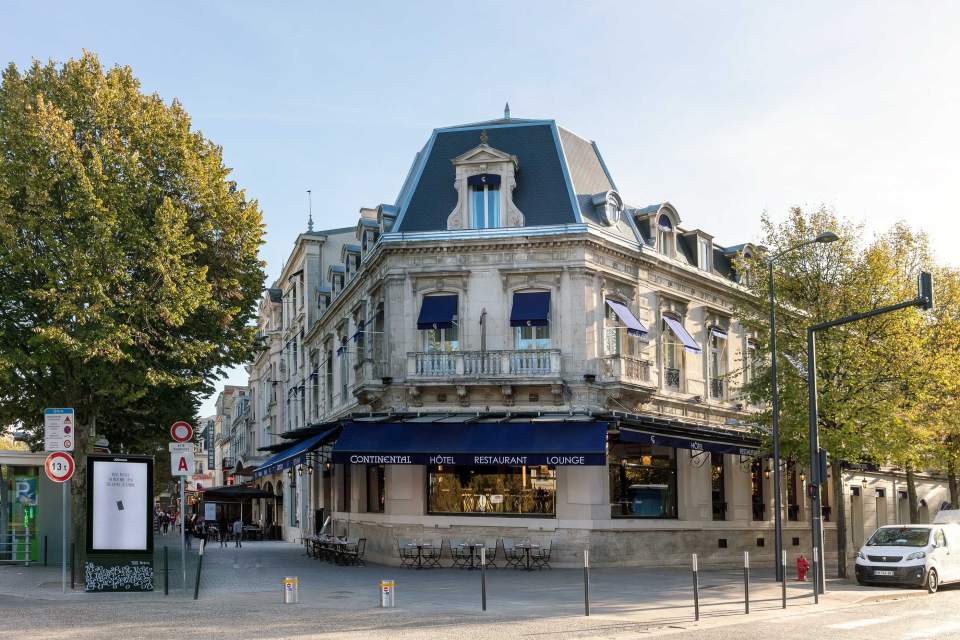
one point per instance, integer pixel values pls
(860, 371)
(129, 266)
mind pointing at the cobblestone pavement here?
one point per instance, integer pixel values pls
(241, 596)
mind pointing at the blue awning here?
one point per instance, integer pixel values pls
(530, 309)
(713, 445)
(293, 455)
(437, 312)
(718, 332)
(689, 343)
(473, 443)
(634, 326)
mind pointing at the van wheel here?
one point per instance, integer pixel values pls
(933, 581)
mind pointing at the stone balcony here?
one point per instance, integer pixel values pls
(494, 366)
(626, 370)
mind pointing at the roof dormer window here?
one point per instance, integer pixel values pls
(665, 235)
(705, 254)
(484, 201)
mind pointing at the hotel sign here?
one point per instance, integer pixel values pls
(473, 459)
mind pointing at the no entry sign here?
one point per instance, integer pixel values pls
(59, 466)
(181, 431)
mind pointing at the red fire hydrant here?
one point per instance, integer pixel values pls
(802, 567)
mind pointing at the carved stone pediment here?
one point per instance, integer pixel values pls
(494, 165)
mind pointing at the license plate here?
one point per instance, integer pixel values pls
(884, 573)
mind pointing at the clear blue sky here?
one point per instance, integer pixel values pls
(724, 109)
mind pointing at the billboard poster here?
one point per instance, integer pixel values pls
(119, 493)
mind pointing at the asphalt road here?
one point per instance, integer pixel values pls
(935, 617)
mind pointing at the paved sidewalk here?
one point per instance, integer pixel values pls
(242, 589)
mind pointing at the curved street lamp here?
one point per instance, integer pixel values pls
(823, 238)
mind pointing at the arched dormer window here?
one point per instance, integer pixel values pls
(664, 235)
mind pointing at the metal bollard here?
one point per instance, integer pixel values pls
(746, 582)
(387, 595)
(291, 590)
(586, 582)
(816, 576)
(483, 578)
(166, 572)
(73, 563)
(196, 585)
(45, 545)
(783, 584)
(696, 591)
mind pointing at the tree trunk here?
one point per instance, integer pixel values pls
(912, 495)
(952, 479)
(78, 494)
(840, 515)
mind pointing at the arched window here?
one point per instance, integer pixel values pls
(665, 235)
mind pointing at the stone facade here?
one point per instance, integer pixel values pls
(352, 348)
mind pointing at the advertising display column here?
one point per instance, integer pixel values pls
(119, 523)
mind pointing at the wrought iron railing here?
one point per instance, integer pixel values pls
(671, 378)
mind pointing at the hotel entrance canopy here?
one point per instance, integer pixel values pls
(473, 443)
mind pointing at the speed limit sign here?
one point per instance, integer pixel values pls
(59, 466)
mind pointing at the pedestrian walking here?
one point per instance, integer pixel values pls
(238, 532)
(223, 532)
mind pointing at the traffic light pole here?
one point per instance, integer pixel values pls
(924, 300)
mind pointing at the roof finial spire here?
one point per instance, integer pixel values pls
(506, 111)
(483, 136)
(310, 211)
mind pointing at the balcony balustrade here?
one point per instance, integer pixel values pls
(620, 368)
(518, 363)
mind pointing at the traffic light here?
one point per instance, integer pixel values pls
(925, 298)
(823, 464)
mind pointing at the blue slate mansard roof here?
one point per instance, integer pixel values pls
(542, 192)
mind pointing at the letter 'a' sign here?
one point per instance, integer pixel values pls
(181, 463)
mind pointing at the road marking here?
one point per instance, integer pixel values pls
(933, 632)
(856, 624)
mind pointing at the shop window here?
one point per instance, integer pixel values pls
(18, 513)
(756, 490)
(718, 486)
(293, 511)
(643, 481)
(793, 506)
(345, 490)
(524, 490)
(375, 488)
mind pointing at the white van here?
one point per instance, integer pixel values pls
(925, 555)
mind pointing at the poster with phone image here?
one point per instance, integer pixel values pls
(120, 494)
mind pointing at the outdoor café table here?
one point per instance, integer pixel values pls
(419, 546)
(474, 553)
(527, 546)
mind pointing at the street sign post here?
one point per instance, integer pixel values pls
(181, 431)
(181, 464)
(59, 467)
(59, 429)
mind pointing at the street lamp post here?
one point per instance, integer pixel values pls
(827, 236)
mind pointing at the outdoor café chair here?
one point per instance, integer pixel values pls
(408, 554)
(431, 554)
(512, 556)
(541, 557)
(353, 552)
(460, 554)
(491, 553)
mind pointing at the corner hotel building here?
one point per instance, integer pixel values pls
(514, 348)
